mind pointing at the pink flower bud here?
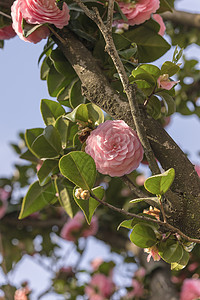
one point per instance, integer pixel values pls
(7, 33)
(38, 12)
(164, 82)
(115, 148)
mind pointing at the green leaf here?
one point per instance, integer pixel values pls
(159, 184)
(65, 189)
(48, 168)
(169, 68)
(177, 266)
(80, 168)
(51, 110)
(56, 81)
(150, 44)
(165, 5)
(150, 200)
(27, 28)
(95, 114)
(120, 41)
(89, 206)
(151, 69)
(62, 65)
(48, 144)
(143, 236)
(169, 102)
(31, 135)
(80, 113)
(126, 224)
(154, 107)
(75, 96)
(63, 126)
(45, 67)
(28, 155)
(37, 198)
(170, 251)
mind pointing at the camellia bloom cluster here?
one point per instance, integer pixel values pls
(190, 289)
(77, 227)
(137, 12)
(100, 287)
(38, 12)
(7, 32)
(115, 148)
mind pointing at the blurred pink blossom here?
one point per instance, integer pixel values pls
(165, 83)
(100, 287)
(96, 262)
(197, 168)
(140, 273)
(38, 12)
(190, 289)
(77, 227)
(21, 294)
(193, 266)
(115, 148)
(153, 252)
(137, 13)
(138, 290)
(7, 32)
(140, 179)
(159, 20)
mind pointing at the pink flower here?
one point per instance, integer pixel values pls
(95, 263)
(7, 33)
(22, 293)
(115, 148)
(190, 289)
(137, 13)
(4, 195)
(140, 273)
(197, 168)
(153, 252)
(140, 179)
(77, 227)
(138, 290)
(165, 83)
(100, 287)
(38, 12)
(193, 266)
(159, 20)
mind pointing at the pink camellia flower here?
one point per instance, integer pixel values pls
(197, 168)
(77, 227)
(153, 252)
(159, 20)
(21, 294)
(190, 289)
(138, 290)
(100, 287)
(38, 12)
(7, 32)
(137, 12)
(4, 195)
(115, 148)
(165, 83)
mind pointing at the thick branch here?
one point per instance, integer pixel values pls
(182, 17)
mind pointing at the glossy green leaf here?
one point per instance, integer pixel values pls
(165, 5)
(28, 155)
(63, 126)
(89, 206)
(50, 111)
(56, 81)
(143, 236)
(45, 67)
(48, 168)
(65, 189)
(48, 144)
(61, 64)
(169, 68)
(151, 69)
(170, 251)
(154, 107)
(126, 224)
(150, 200)
(153, 225)
(169, 102)
(80, 168)
(159, 184)
(75, 96)
(177, 266)
(80, 113)
(31, 135)
(28, 29)
(95, 114)
(37, 198)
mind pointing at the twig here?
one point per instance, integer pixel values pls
(161, 223)
(5, 15)
(110, 16)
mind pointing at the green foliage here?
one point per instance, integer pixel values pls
(159, 184)
(50, 111)
(37, 198)
(80, 168)
(171, 251)
(89, 206)
(49, 167)
(143, 236)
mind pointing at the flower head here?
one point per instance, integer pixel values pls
(137, 13)
(77, 227)
(7, 32)
(190, 289)
(165, 83)
(159, 20)
(38, 12)
(153, 252)
(115, 148)
(100, 287)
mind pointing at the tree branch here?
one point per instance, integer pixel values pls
(182, 17)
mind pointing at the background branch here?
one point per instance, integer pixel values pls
(182, 17)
